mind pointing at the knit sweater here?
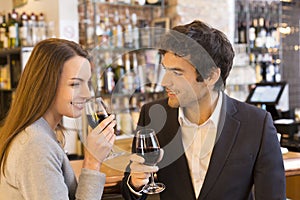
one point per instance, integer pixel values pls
(37, 168)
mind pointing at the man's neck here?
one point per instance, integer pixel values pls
(200, 111)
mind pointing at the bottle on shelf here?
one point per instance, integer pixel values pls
(260, 40)
(117, 31)
(242, 32)
(24, 29)
(109, 82)
(135, 31)
(129, 76)
(252, 33)
(134, 111)
(33, 26)
(13, 29)
(128, 36)
(41, 27)
(145, 34)
(119, 74)
(3, 32)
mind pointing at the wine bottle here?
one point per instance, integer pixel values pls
(3, 32)
(24, 30)
(128, 36)
(129, 77)
(13, 28)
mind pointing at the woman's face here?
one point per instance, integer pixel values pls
(73, 89)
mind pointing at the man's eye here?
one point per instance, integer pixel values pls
(177, 73)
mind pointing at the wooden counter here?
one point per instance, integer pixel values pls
(114, 169)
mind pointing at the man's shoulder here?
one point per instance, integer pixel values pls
(247, 108)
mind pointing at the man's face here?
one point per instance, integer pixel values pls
(180, 82)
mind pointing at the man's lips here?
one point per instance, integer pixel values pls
(171, 93)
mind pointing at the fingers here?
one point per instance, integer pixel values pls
(109, 122)
(139, 172)
(138, 180)
(137, 165)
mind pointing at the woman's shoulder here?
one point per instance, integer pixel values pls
(38, 141)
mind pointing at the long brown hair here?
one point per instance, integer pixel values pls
(37, 88)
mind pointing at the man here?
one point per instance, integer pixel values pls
(215, 147)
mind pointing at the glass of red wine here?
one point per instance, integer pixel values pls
(147, 146)
(96, 112)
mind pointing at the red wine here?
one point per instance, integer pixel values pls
(95, 119)
(150, 154)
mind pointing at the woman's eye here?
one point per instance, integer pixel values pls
(74, 84)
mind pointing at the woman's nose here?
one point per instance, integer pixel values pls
(86, 92)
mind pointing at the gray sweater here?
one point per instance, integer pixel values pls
(37, 168)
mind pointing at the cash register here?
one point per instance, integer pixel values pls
(274, 97)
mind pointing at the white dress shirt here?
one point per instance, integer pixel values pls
(198, 142)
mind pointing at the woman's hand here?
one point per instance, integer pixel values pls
(99, 143)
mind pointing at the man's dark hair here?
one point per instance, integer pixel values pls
(204, 47)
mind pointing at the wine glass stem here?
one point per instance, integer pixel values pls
(152, 179)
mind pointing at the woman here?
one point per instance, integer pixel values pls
(33, 163)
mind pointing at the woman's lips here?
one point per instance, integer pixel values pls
(78, 105)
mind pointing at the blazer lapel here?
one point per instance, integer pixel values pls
(174, 153)
(226, 134)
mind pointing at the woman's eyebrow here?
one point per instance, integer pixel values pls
(76, 78)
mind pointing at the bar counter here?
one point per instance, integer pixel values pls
(115, 168)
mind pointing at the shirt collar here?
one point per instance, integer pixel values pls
(214, 117)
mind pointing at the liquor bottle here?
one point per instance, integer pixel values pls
(145, 34)
(117, 32)
(125, 117)
(260, 40)
(109, 82)
(41, 27)
(24, 30)
(119, 74)
(108, 28)
(129, 77)
(33, 29)
(135, 31)
(134, 111)
(135, 66)
(13, 29)
(252, 33)
(128, 36)
(3, 32)
(242, 33)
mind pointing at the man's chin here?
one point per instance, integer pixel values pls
(173, 103)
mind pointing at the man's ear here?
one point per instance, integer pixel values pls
(213, 77)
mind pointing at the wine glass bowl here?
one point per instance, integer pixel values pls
(147, 146)
(96, 111)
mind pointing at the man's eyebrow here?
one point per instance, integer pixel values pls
(172, 68)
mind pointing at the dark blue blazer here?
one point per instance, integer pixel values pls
(246, 159)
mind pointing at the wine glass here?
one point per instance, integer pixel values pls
(96, 112)
(147, 146)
